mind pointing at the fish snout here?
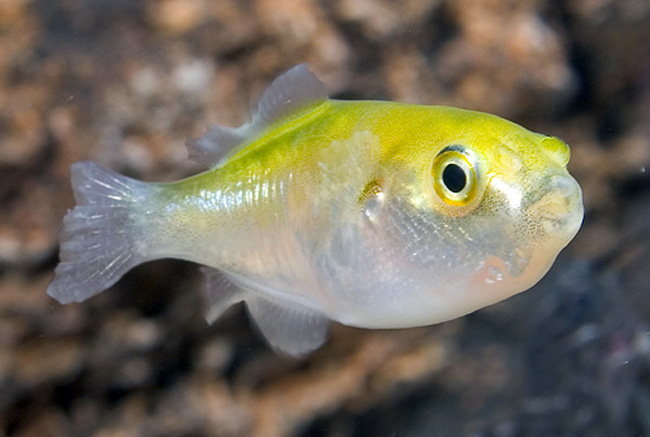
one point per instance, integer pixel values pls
(559, 209)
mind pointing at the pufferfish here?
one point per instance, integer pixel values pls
(371, 214)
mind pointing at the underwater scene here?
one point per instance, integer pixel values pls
(285, 254)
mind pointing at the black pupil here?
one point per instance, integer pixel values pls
(454, 178)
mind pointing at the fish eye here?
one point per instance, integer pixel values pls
(454, 176)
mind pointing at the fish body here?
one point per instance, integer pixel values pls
(372, 214)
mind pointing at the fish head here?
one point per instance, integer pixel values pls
(490, 207)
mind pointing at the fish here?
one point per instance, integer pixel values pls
(372, 214)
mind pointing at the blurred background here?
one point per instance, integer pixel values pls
(127, 82)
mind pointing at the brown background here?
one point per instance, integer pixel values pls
(126, 82)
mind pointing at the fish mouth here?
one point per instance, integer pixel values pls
(558, 210)
(552, 215)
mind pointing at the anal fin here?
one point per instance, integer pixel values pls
(220, 294)
(289, 328)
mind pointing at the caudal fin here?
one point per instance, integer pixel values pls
(101, 239)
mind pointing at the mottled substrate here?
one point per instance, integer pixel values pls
(127, 82)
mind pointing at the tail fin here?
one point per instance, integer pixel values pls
(101, 239)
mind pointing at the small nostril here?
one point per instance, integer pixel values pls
(557, 149)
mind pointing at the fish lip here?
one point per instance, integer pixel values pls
(558, 206)
(554, 215)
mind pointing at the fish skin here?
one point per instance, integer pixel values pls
(328, 210)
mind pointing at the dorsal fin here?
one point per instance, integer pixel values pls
(294, 90)
(290, 92)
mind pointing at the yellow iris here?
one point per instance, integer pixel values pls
(454, 176)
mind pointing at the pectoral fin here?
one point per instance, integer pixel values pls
(357, 160)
